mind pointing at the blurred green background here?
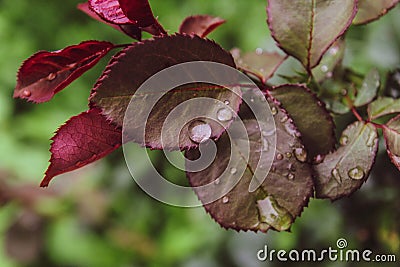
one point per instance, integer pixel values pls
(97, 216)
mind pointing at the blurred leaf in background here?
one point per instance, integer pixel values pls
(97, 216)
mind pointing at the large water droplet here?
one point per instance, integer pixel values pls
(224, 114)
(226, 102)
(51, 76)
(324, 68)
(233, 170)
(225, 199)
(199, 131)
(290, 176)
(271, 213)
(336, 175)
(300, 154)
(26, 93)
(279, 156)
(344, 140)
(319, 159)
(288, 155)
(356, 173)
(259, 51)
(274, 111)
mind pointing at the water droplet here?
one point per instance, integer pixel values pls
(290, 176)
(217, 181)
(252, 99)
(324, 68)
(224, 114)
(300, 154)
(356, 173)
(199, 131)
(343, 92)
(336, 175)
(319, 159)
(226, 102)
(51, 76)
(284, 119)
(272, 214)
(279, 156)
(26, 93)
(274, 111)
(344, 140)
(225, 199)
(333, 50)
(259, 51)
(371, 139)
(329, 74)
(72, 65)
(233, 170)
(288, 155)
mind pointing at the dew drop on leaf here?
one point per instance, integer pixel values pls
(224, 114)
(344, 140)
(290, 176)
(319, 159)
(225, 199)
(26, 93)
(324, 68)
(356, 173)
(217, 181)
(274, 111)
(273, 215)
(279, 156)
(199, 131)
(288, 155)
(226, 102)
(233, 170)
(259, 51)
(300, 154)
(51, 76)
(335, 174)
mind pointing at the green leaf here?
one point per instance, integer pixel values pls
(283, 193)
(391, 132)
(310, 116)
(306, 29)
(332, 58)
(383, 106)
(370, 10)
(116, 89)
(261, 64)
(369, 88)
(345, 170)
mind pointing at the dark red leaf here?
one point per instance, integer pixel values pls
(201, 25)
(83, 139)
(129, 29)
(110, 11)
(46, 73)
(140, 12)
